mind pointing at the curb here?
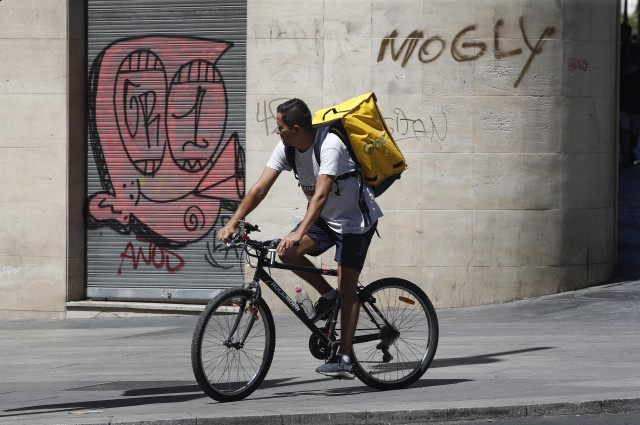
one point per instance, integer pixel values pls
(97, 309)
(407, 416)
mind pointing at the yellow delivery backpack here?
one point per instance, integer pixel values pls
(361, 127)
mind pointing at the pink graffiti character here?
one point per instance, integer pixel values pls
(159, 146)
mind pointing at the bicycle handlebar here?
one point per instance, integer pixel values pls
(265, 251)
(242, 237)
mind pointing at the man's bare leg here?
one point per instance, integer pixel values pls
(297, 256)
(348, 283)
(340, 366)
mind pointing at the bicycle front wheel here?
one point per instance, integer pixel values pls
(396, 336)
(232, 346)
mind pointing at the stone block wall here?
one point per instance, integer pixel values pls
(505, 110)
(33, 158)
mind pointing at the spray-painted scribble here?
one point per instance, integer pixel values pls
(404, 128)
(578, 64)
(213, 246)
(266, 113)
(157, 118)
(160, 258)
(431, 129)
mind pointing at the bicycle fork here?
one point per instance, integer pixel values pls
(254, 302)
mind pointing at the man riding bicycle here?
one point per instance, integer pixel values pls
(333, 218)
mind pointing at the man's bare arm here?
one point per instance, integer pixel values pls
(251, 200)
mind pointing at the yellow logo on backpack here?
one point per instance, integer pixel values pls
(361, 126)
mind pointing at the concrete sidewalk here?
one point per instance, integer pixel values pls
(577, 352)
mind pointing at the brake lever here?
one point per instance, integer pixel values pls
(248, 227)
(234, 239)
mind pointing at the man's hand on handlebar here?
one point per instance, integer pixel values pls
(290, 241)
(226, 232)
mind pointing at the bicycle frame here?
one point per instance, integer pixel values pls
(262, 275)
(326, 338)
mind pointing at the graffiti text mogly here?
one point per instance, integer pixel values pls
(460, 50)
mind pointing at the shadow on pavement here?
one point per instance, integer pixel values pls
(361, 389)
(168, 393)
(109, 403)
(483, 358)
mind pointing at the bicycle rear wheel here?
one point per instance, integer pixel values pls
(396, 336)
(226, 368)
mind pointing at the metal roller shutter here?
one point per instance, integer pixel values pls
(165, 157)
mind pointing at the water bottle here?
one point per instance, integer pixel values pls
(303, 300)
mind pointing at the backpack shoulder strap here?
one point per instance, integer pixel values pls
(290, 154)
(321, 134)
(290, 151)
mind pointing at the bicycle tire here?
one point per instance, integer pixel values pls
(410, 334)
(223, 371)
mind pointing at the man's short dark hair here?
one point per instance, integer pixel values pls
(296, 112)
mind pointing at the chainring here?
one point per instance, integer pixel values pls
(318, 348)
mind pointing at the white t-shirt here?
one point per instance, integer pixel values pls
(341, 212)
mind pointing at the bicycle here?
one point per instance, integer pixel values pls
(234, 340)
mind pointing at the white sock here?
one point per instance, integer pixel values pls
(330, 295)
(345, 359)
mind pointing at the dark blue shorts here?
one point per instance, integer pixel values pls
(351, 248)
